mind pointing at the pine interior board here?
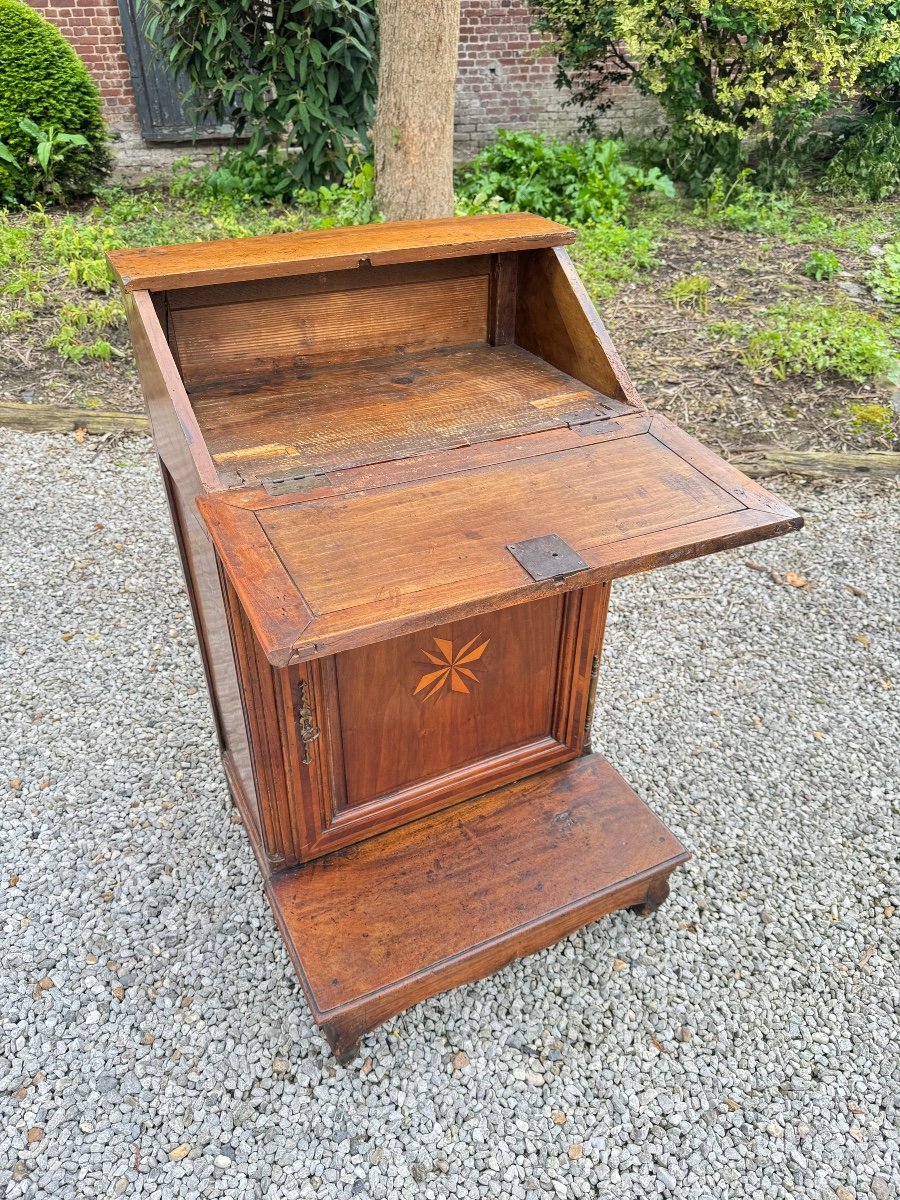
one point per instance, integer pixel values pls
(236, 260)
(243, 346)
(396, 407)
(401, 916)
(383, 561)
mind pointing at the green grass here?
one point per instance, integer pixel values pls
(609, 253)
(811, 338)
(691, 291)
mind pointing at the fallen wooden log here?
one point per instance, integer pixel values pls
(819, 464)
(52, 418)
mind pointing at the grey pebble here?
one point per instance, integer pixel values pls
(749, 715)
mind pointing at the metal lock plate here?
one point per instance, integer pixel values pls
(547, 557)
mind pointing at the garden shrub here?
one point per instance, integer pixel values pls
(297, 79)
(884, 279)
(821, 265)
(43, 80)
(722, 72)
(566, 181)
(864, 163)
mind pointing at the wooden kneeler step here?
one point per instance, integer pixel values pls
(388, 922)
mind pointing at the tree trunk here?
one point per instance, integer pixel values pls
(419, 42)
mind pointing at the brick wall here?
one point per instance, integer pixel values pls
(94, 31)
(501, 82)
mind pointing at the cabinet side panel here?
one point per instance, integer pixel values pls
(187, 472)
(198, 561)
(556, 320)
(282, 709)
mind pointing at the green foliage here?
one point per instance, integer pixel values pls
(872, 418)
(692, 291)
(297, 78)
(739, 204)
(12, 318)
(54, 264)
(350, 202)
(566, 181)
(722, 72)
(821, 265)
(866, 163)
(260, 177)
(810, 338)
(51, 129)
(28, 284)
(885, 278)
(78, 325)
(728, 328)
(608, 253)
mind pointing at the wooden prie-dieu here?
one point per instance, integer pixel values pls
(404, 462)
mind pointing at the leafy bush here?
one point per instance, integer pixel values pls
(866, 163)
(46, 95)
(255, 179)
(802, 338)
(722, 72)
(566, 181)
(291, 76)
(821, 264)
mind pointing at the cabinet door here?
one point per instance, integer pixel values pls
(421, 721)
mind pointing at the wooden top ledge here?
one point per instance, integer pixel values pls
(235, 260)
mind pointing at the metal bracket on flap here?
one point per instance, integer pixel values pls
(547, 557)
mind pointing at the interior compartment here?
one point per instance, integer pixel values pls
(343, 368)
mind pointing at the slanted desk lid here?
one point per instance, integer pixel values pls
(373, 552)
(236, 260)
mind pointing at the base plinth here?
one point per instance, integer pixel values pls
(448, 899)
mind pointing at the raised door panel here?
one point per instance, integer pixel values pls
(416, 723)
(415, 707)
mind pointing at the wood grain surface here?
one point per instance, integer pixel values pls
(386, 561)
(388, 408)
(399, 917)
(243, 345)
(231, 260)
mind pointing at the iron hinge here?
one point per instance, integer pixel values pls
(300, 481)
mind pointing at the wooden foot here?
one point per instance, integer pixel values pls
(344, 1043)
(657, 893)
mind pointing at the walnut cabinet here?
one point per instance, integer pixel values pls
(404, 464)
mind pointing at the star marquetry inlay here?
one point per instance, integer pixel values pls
(452, 665)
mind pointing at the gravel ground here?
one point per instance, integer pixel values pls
(743, 1042)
